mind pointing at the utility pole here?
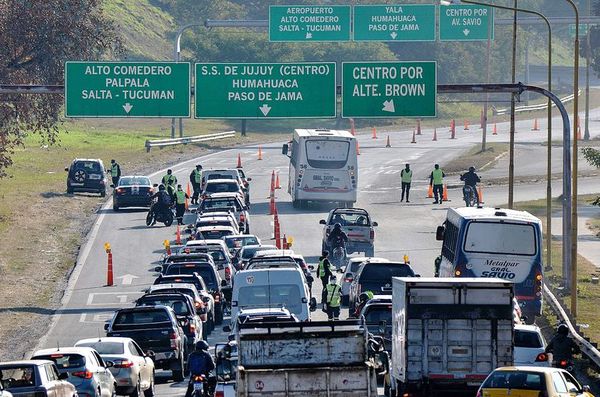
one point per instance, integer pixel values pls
(511, 150)
(487, 95)
(588, 49)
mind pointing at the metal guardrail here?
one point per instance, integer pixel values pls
(189, 139)
(531, 108)
(588, 349)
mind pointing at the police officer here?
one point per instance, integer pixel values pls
(324, 272)
(196, 181)
(180, 197)
(406, 176)
(436, 178)
(170, 181)
(115, 172)
(333, 299)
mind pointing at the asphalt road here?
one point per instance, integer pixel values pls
(403, 228)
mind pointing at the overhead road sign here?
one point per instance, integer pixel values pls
(127, 89)
(466, 22)
(407, 22)
(265, 90)
(389, 89)
(584, 28)
(309, 23)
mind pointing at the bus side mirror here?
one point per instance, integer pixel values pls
(284, 149)
(439, 233)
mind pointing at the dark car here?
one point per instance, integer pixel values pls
(209, 275)
(86, 175)
(184, 309)
(157, 330)
(378, 318)
(35, 378)
(376, 276)
(243, 256)
(133, 191)
(184, 256)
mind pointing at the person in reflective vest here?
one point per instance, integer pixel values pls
(334, 299)
(170, 181)
(436, 178)
(115, 172)
(324, 272)
(180, 197)
(406, 176)
(196, 181)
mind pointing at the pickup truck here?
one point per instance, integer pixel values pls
(314, 358)
(157, 331)
(357, 225)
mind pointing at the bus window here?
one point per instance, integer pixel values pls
(450, 238)
(328, 154)
(501, 238)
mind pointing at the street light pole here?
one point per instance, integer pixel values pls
(511, 149)
(588, 49)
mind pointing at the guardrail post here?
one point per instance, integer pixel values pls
(148, 146)
(244, 127)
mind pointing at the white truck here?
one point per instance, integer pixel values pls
(305, 359)
(448, 333)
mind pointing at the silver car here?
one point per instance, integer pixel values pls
(132, 369)
(27, 378)
(86, 370)
(350, 271)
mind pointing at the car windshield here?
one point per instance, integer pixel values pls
(182, 279)
(501, 238)
(287, 295)
(105, 347)
(527, 339)
(92, 166)
(242, 241)
(350, 219)
(64, 361)
(17, 376)
(523, 380)
(354, 266)
(220, 203)
(179, 307)
(141, 317)
(134, 181)
(199, 257)
(205, 271)
(222, 187)
(215, 234)
(375, 314)
(220, 176)
(385, 272)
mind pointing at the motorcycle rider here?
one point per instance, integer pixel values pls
(337, 238)
(471, 179)
(200, 362)
(163, 202)
(561, 346)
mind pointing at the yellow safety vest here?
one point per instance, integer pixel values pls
(334, 296)
(321, 269)
(169, 179)
(114, 170)
(438, 177)
(180, 194)
(198, 176)
(406, 176)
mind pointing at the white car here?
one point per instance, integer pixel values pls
(4, 392)
(132, 369)
(529, 346)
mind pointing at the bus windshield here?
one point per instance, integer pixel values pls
(328, 154)
(501, 238)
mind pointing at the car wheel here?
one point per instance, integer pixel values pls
(178, 373)
(103, 193)
(69, 190)
(219, 315)
(115, 207)
(136, 392)
(149, 392)
(370, 252)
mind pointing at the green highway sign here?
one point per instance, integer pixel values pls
(466, 22)
(309, 23)
(265, 90)
(583, 29)
(409, 22)
(389, 89)
(127, 89)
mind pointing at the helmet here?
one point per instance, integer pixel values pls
(563, 329)
(198, 166)
(337, 226)
(471, 169)
(161, 187)
(325, 253)
(202, 345)
(363, 297)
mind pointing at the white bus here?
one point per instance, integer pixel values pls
(323, 167)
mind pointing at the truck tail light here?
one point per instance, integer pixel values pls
(123, 364)
(173, 337)
(83, 374)
(220, 393)
(372, 234)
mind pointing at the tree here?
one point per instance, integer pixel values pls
(593, 157)
(36, 37)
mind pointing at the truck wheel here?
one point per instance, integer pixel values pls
(178, 373)
(370, 252)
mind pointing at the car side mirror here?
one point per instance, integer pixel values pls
(113, 186)
(66, 169)
(109, 364)
(375, 224)
(249, 179)
(285, 149)
(158, 269)
(227, 328)
(155, 185)
(417, 275)
(439, 233)
(382, 326)
(311, 267)
(106, 325)
(223, 283)
(322, 222)
(150, 354)
(313, 304)
(573, 391)
(63, 376)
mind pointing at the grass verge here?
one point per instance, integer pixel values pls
(477, 158)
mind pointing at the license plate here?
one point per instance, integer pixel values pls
(95, 176)
(76, 184)
(198, 387)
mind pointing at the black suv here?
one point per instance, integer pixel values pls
(86, 175)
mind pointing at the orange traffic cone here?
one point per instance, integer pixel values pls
(272, 205)
(445, 193)
(178, 236)
(352, 127)
(189, 194)
(259, 152)
(277, 185)
(374, 133)
(239, 164)
(284, 243)
(430, 192)
(414, 140)
(272, 182)
(357, 149)
(452, 125)
(388, 144)
(418, 126)
(495, 130)
(452, 131)
(480, 194)
(434, 134)
(535, 125)
(466, 125)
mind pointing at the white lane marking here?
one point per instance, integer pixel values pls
(97, 318)
(121, 296)
(127, 279)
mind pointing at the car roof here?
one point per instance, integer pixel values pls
(222, 181)
(276, 252)
(155, 287)
(349, 211)
(215, 227)
(116, 339)
(95, 160)
(24, 362)
(232, 236)
(488, 213)
(546, 370)
(192, 243)
(66, 350)
(361, 259)
(261, 311)
(134, 176)
(526, 327)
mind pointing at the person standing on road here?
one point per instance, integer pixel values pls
(170, 181)
(180, 197)
(333, 299)
(436, 179)
(115, 172)
(324, 272)
(406, 176)
(196, 181)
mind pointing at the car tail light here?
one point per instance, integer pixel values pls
(120, 190)
(219, 393)
(227, 273)
(541, 357)
(372, 234)
(173, 337)
(83, 374)
(563, 363)
(217, 297)
(192, 327)
(123, 364)
(242, 218)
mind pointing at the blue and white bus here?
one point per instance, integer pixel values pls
(493, 242)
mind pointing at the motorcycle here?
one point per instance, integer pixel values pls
(567, 365)
(200, 386)
(165, 216)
